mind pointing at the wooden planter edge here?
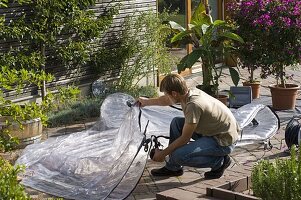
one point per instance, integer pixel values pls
(232, 190)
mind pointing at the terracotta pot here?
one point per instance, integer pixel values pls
(284, 98)
(255, 89)
(30, 133)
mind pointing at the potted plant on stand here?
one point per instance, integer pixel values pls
(212, 41)
(251, 81)
(249, 51)
(277, 29)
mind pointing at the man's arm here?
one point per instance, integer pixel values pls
(159, 101)
(187, 132)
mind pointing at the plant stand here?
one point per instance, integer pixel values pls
(232, 190)
(284, 98)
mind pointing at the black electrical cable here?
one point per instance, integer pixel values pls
(292, 132)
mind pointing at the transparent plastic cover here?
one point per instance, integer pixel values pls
(107, 161)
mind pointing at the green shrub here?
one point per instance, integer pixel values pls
(141, 51)
(83, 109)
(7, 143)
(9, 185)
(278, 180)
(147, 91)
(74, 112)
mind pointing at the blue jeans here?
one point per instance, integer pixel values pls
(203, 152)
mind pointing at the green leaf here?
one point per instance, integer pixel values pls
(3, 3)
(176, 26)
(234, 75)
(219, 22)
(196, 16)
(189, 60)
(200, 17)
(197, 29)
(180, 36)
(232, 36)
(205, 28)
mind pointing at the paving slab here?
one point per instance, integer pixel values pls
(244, 157)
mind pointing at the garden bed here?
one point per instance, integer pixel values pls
(235, 190)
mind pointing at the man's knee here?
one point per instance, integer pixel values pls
(178, 157)
(176, 120)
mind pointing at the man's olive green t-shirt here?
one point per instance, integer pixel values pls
(212, 117)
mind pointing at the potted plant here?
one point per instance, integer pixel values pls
(212, 41)
(276, 44)
(249, 51)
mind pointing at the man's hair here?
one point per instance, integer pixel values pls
(173, 82)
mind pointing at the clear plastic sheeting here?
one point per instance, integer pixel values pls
(105, 162)
(257, 122)
(93, 163)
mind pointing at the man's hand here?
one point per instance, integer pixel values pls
(159, 156)
(142, 101)
(187, 132)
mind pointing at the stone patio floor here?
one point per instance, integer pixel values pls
(192, 184)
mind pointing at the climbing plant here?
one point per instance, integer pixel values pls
(45, 33)
(147, 51)
(139, 51)
(60, 33)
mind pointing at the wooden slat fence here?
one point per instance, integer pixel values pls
(84, 75)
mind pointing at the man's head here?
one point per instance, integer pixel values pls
(173, 83)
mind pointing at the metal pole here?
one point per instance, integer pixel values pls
(205, 70)
(43, 88)
(207, 6)
(187, 20)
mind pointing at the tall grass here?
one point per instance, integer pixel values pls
(86, 108)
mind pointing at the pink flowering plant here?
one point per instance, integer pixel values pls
(271, 30)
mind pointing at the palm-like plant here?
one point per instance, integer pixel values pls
(212, 41)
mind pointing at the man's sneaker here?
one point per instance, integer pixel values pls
(166, 172)
(214, 174)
